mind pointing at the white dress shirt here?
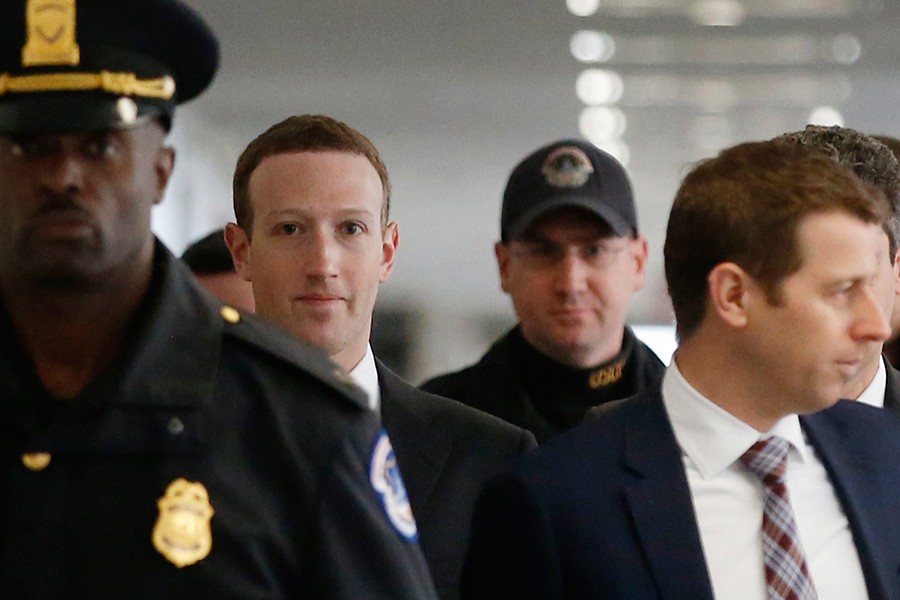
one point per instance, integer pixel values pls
(728, 499)
(873, 395)
(365, 375)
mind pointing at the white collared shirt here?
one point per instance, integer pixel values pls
(365, 376)
(873, 395)
(728, 499)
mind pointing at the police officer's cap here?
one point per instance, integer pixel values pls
(82, 65)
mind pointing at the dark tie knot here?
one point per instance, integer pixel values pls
(767, 459)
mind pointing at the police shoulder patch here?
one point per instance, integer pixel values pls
(384, 474)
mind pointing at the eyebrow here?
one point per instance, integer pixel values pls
(538, 239)
(348, 213)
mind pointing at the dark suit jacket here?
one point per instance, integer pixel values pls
(605, 511)
(447, 452)
(892, 390)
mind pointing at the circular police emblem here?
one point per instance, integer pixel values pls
(567, 167)
(386, 481)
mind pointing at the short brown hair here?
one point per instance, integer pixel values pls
(745, 206)
(302, 133)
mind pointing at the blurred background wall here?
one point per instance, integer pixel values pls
(455, 93)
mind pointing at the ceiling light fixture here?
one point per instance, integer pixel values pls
(718, 13)
(583, 8)
(599, 86)
(592, 46)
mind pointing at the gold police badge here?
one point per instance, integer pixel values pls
(182, 533)
(50, 25)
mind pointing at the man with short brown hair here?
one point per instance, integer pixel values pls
(742, 475)
(315, 239)
(878, 383)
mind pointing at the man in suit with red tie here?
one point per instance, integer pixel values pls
(742, 475)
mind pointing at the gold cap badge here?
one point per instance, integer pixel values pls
(50, 28)
(50, 40)
(182, 533)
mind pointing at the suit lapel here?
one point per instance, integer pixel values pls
(892, 390)
(421, 450)
(661, 504)
(851, 466)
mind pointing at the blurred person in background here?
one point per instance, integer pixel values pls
(210, 261)
(892, 346)
(571, 258)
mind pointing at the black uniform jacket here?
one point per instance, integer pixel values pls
(214, 459)
(494, 385)
(447, 451)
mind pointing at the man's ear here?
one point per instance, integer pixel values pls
(238, 243)
(501, 251)
(389, 243)
(639, 253)
(730, 289)
(896, 266)
(164, 165)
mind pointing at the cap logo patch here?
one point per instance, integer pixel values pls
(182, 533)
(567, 167)
(387, 482)
(50, 33)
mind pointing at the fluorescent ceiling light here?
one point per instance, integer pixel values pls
(592, 46)
(583, 8)
(717, 13)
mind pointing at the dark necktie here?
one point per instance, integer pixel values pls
(787, 576)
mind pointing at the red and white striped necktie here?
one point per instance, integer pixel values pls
(787, 576)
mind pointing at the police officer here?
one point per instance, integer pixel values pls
(570, 258)
(155, 443)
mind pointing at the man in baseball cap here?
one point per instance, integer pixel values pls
(571, 258)
(154, 442)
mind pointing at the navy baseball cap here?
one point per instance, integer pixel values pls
(568, 173)
(82, 65)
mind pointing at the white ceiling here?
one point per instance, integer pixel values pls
(454, 93)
